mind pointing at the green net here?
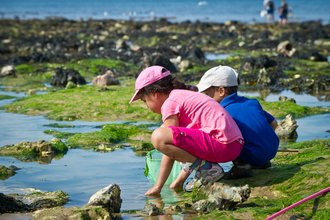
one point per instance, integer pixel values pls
(153, 160)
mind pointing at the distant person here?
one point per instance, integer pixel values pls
(283, 13)
(269, 6)
(196, 130)
(257, 126)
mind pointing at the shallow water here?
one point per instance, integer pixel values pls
(311, 127)
(214, 56)
(176, 10)
(81, 173)
(321, 99)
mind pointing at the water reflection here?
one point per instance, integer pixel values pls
(311, 127)
(311, 99)
(82, 173)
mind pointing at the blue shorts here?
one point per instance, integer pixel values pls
(270, 11)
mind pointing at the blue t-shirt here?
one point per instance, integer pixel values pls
(260, 140)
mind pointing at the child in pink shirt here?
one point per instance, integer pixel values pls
(196, 130)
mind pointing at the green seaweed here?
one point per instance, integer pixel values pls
(109, 134)
(56, 125)
(6, 97)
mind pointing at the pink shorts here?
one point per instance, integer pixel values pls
(202, 145)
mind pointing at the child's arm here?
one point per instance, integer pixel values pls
(166, 164)
(271, 120)
(274, 124)
(165, 170)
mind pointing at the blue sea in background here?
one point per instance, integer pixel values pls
(246, 11)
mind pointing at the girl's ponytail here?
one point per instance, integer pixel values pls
(165, 85)
(180, 85)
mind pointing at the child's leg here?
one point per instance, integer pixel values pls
(162, 140)
(180, 180)
(196, 147)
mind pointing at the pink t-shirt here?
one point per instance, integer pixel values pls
(198, 111)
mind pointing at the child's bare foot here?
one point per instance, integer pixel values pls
(153, 190)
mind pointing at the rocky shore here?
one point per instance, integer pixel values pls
(284, 51)
(62, 58)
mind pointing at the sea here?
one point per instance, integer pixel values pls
(219, 11)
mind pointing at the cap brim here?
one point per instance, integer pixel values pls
(202, 87)
(135, 97)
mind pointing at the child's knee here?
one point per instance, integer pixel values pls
(159, 136)
(156, 137)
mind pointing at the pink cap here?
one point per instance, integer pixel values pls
(147, 76)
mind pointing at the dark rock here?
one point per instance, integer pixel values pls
(157, 59)
(191, 53)
(187, 205)
(313, 55)
(9, 204)
(258, 62)
(265, 34)
(63, 76)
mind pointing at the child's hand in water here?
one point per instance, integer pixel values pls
(153, 190)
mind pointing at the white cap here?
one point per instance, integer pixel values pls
(224, 76)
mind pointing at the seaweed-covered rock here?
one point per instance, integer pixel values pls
(284, 98)
(70, 85)
(204, 206)
(31, 92)
(218, 196)
(108, 197)
(39, 200)
(150, 209)
(5, 172)
(79, 213)
(286, 129)
(40, 147)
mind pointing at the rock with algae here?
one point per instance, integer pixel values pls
(150, 209)
(286, 129)
(108, 197)
(219, 196)
(41, 147)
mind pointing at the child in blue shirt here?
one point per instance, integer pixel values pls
(257, 126)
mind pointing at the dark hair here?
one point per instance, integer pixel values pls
(228, 90)
(165, 85)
